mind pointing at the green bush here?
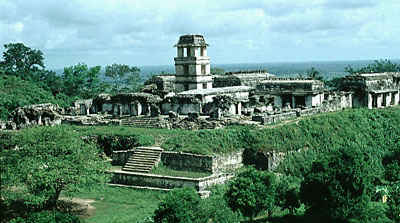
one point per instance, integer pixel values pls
(340, 184)
(179, 206)
(252, 192)
(48, 217)
(15, 92)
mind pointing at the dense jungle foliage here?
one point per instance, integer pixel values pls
(24, 80)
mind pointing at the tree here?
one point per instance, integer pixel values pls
(21, 60)
(251, 192)
(81, 81)
(47, 161)
(379, 66)
(15, 92)
(124, 78)
(215, 208)
(340, 185)
(314, 74)
(288, 193)
(179, 206)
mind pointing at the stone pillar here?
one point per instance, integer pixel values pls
(396, 98)
(39, 119)
(293, 102)
(139, 109)
(379, 100)
(388, 98)
(370, 100)
(239, 107)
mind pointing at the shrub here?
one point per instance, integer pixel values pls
(48, 217)
(179, 206)
(340, 185)
(251, 192)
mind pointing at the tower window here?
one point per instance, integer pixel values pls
(188, 52)
(203, 69)
(202, 51)
(204, 85)
(186, 69)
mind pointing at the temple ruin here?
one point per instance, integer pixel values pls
(215, 100)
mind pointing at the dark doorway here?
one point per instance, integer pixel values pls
(300, 101)
(286, 99)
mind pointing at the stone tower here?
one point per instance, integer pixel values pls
(192, 64)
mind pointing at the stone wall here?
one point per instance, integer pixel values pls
(167, 182)
(187, 161)
(119, 158)
(202, 163)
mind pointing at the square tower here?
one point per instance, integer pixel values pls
(192, 65)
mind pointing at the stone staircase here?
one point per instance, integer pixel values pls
(143, 159)
(143, 122)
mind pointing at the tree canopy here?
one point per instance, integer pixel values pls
(21, 60)
(124, 78)
(46, 161)
(251, 192)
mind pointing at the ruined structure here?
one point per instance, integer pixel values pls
(373, 90)
(293, 93)
(241, 78)
(207, 101)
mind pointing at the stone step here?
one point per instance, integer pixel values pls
(140, 164)
(143, 155)
(142, 161)
(145, 158)
(152, 148)
(135, 170)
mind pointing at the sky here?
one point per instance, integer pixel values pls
(143, 32)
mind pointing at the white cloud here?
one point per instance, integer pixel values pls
(143, 32)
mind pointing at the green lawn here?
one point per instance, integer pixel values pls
(120, 205)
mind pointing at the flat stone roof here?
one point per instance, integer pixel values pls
(294, 81)
(212, 91)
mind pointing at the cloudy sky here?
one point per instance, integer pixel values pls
(143, 32)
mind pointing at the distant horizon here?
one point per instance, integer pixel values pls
(397, 60)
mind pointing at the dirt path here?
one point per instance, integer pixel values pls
(82, 207)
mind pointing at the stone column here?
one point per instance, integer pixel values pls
(396, 98)
(388, 98)
(293, 102)
(379, 100)
(370, 100)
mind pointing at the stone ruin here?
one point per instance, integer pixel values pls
(32, 115)
(193, 99)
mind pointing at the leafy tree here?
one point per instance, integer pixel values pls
(251, 192)
(48, 217)
(288, 193)
(124, 78)
(21, 60)
(340, 184)
(216, 209)
(82, 81)
(47, 161)
(379, 66)
(394, 202)
(179, 206)
(314, 74)
(15, 92)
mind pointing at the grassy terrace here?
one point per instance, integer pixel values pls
(305, 133)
